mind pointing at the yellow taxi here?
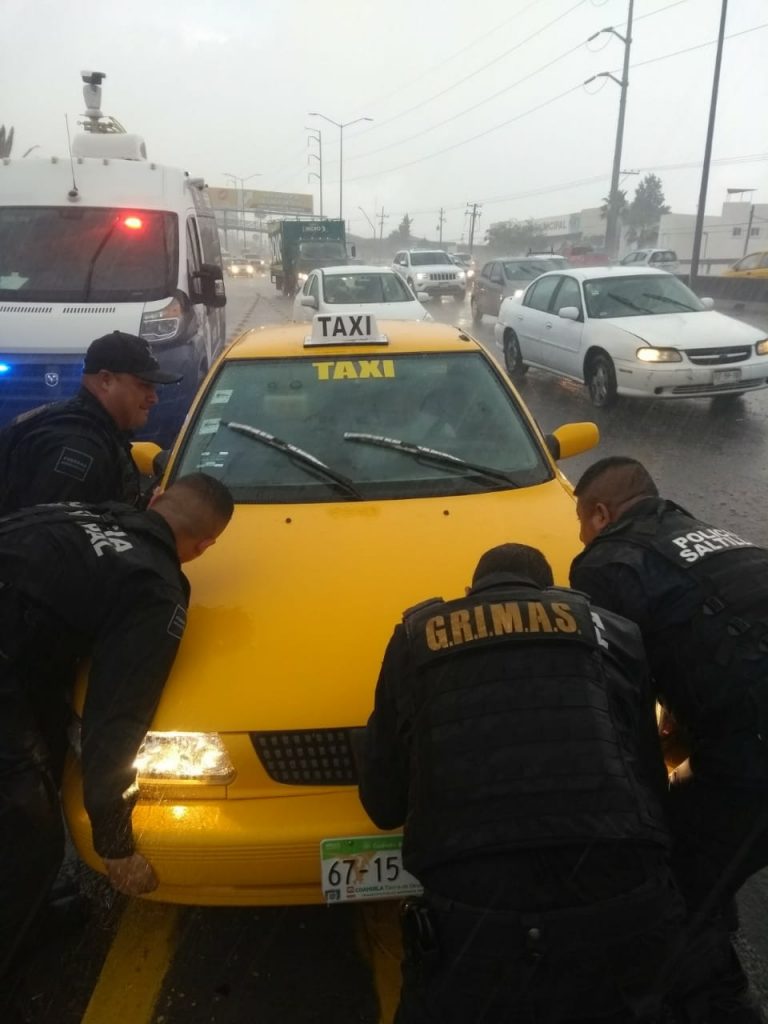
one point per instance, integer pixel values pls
(371, 464)
(753, 265)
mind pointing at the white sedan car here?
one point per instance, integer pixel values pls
(376, 290)
(623, 331)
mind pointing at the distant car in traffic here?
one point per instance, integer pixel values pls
(431, 271)
(659, 259)
(503, 277)
(753, 265)
(466, 261)
(377, 290)
(239, 266)
(621, 331)
(585, 256)
(368, 468)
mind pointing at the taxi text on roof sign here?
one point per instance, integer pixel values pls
(345, 329)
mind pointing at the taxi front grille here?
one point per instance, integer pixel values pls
(442, 277)
(719, 356)
(316, 757)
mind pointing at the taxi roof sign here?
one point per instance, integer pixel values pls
(345, 329)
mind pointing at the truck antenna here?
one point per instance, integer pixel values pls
(74, 193)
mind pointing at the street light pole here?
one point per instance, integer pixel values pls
(612, 218)
(341, 126)
(316, 134)
(236, 178)
(708, 148)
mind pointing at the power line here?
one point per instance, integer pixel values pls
(446, 60)
(474, 138)
(468, 110)
(472, 74)
(540, 106)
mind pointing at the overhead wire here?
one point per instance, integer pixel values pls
(540, 106)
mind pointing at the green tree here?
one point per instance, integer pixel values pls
(6, 141)
(403, 233)
(645, 212)
(515, 236)
(621, 204)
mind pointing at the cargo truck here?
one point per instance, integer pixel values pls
(299, 246)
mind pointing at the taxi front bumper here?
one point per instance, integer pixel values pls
(262, 851)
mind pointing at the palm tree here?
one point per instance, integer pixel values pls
(6, 141)
(621, 204)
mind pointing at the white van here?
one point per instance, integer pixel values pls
(105, 240)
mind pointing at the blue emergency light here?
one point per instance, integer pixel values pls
(5, 367)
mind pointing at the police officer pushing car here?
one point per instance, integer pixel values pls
(700, 597)
(513, 735)
(102, 581)
(79, 449)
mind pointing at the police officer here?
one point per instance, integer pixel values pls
(700, 597)
(79, 449)
(75, 581)
(513, 736)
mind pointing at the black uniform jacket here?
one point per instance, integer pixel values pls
(66, 451)
(113, 591)
(663, 600)
(385, 766)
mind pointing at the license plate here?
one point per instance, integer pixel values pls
(365, 868)
(726, 376)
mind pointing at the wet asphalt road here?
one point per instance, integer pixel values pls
(302, 965)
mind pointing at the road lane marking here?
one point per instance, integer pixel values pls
(133, 972)
(379, 935)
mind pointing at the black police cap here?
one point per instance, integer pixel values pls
(119, 352)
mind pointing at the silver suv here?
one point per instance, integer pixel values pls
(431, 271)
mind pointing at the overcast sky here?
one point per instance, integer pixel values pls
(227, 87)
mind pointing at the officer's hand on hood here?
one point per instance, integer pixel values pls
(132, 875)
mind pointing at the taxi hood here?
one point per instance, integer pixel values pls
(293, 607)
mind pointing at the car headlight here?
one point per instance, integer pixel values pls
(420, 277)
(761, 348)
(184, 755)
(659, 355)
(470, 273)
(301, 277)
(461, 275)
(235, 270)
(162, 324)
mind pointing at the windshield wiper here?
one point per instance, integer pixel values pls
(432, 455)
(298, 455)
(626, 302)
(675, 302)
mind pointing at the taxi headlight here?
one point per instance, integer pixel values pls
(761, 348)
(659, 355)
(184, 755)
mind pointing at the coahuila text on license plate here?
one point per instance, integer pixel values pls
(365, 868)
(726, 376)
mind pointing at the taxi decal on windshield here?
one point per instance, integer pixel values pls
(355, 369)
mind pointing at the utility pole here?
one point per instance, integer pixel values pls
(381, 218)
(316, 135)
(440, 222)
(341, 126)
(612, 215)
(708, 149)
(473, 209)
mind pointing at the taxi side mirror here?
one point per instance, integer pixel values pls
(144, 454)
(572, 439)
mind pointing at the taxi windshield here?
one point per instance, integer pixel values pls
(639, 295)
(452, 402)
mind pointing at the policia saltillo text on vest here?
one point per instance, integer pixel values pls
(513, 735)
(699, 594)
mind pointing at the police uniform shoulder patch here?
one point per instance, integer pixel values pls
(177, 622)
(73, 463)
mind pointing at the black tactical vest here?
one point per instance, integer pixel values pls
(523, 729)
(720, 657)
